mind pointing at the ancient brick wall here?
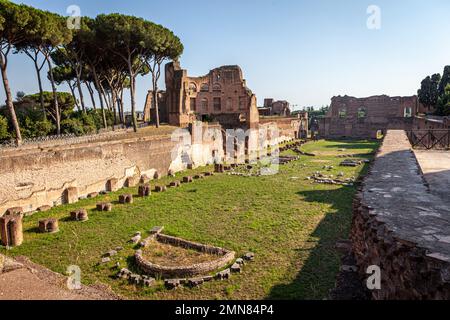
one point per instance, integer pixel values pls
(292, 127)
(363, 117)
(401, 227)
(221, 95)
(428, 123)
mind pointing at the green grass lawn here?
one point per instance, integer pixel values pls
(290, 223)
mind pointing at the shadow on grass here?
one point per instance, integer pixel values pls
(352, 144)
(318, 272)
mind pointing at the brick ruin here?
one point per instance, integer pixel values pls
(352, 117)
(222, 96)
(275, 108)
(11, 231)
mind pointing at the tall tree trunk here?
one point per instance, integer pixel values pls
(98, 87)
(55, 97)
(103, 93)
(41, 91)
(121, 105)
(114, 105)
(9, 99)
(80, 92)
(132, 94)
(108, 97)
(74, 95)
(155, 98)
(91, 93)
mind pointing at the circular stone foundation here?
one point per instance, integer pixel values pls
(220, 258)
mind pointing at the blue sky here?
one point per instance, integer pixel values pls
(303, 51)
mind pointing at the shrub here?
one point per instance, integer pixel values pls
(72, 125)
(4, 132)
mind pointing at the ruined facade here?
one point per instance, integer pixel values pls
(364, 117)
(275, 108)
(220, 96)
(150, 111)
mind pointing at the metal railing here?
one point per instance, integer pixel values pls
(430, 139)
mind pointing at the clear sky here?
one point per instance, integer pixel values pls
(303, 51)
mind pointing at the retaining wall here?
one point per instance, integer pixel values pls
(37, 176)
(401, 227)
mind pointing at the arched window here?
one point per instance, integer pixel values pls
(192, 87)
(217, 88)
(362, 113)
(204, 87)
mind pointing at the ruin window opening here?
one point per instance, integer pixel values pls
(204, 104)
(229, 104)
(342, 113)
(217, 104)
(193, 87)
(204, 87)
(408, 112)
(193, 104)
(362, 113)
(241, 103)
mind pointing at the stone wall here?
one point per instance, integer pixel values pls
(401, 227)
(352, 117)
(221, 95)
(291, 127)
(222, 258)
(43, 176)
(31, 178)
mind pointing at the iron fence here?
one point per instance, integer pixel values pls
(430, 139)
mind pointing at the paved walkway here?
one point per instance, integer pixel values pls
(397, 192)
(435, 166)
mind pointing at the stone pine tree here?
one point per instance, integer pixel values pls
(58, 34)
(13, 25)
(94, 54)
(164, 45)
(429, 91)
(64, 73)
(125, 36)
(74, 53)
(443, 108)
(36, 35)
(445, 80)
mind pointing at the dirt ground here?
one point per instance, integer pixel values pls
(21, 279)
